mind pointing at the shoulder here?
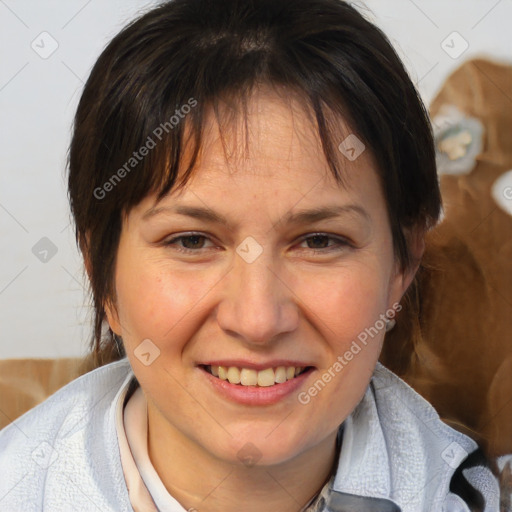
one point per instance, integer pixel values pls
(400, 407)
(56, 439)
(398, 403)
(95, 388)
(446, 463)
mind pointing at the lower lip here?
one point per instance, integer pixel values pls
(256, 395)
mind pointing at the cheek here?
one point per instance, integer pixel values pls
(344, 301)
(157, 302)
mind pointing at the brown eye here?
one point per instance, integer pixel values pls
(187, 243)
(193, 241)
(323, 242)
(318, 241)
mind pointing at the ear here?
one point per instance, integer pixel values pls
(416, 242)
(113, 318)
(402, 278)
(110, 309)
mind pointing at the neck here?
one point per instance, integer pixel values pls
(199, 480)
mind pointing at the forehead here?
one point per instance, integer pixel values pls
(270, 152)
(272, 135)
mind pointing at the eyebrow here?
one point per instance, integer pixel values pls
(307, 216)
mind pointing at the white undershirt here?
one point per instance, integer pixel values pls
(145, 488)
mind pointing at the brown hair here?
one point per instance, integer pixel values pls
(195, 52)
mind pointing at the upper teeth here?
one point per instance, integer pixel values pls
(249, 377)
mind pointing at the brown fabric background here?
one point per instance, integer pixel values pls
(458, 354)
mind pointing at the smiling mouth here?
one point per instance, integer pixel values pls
(250, 377)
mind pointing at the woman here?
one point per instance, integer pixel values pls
(251, 184)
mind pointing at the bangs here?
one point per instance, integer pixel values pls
(162, 142)
(175, 159)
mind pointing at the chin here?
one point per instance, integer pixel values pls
(261, 449)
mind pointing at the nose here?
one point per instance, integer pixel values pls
(257, 304)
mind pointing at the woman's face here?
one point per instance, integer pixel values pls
(277, 283)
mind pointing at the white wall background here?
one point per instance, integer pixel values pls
(44, 308)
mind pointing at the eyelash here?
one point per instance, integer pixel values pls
(342, 243)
